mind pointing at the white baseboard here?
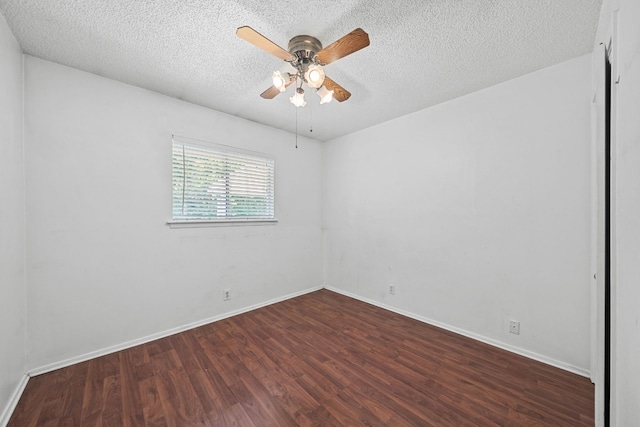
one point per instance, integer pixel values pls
(522, 352)
(13, 402)
(163, 334)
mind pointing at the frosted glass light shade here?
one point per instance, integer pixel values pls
(325, 94)
(298, 98)
(280, 80)
(314, 76)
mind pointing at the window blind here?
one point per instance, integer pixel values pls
(216, 182)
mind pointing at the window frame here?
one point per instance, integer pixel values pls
(220, 150)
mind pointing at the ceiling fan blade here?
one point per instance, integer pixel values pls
(339, 93)
(273, 91)
(270, 93)
(258, 40)
(352, 42)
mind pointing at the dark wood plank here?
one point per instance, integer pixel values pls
(133, 411)
(321, 359)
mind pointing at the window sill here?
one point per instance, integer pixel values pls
(219, 223)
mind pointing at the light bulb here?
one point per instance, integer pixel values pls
(325, 95)
(314, 76)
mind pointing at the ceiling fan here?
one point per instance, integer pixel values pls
(307, 56)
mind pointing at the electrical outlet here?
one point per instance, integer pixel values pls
(392, 289)
(226, 294)
(514, 327)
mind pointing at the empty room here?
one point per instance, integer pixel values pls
(330, 213)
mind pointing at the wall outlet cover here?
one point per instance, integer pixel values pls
(514, 327)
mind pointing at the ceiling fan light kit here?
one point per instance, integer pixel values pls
(308, 58)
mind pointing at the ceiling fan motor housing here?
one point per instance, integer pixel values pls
(305, 49)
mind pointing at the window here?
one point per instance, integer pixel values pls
(218, 183)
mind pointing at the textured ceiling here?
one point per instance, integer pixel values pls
(422, 52)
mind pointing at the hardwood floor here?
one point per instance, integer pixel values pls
(321, 359)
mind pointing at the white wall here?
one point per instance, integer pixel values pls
(625, 391)
(104, 268)
(12, 276)
(478, 210)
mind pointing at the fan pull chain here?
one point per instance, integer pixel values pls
(311, 113)
(296, 127)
